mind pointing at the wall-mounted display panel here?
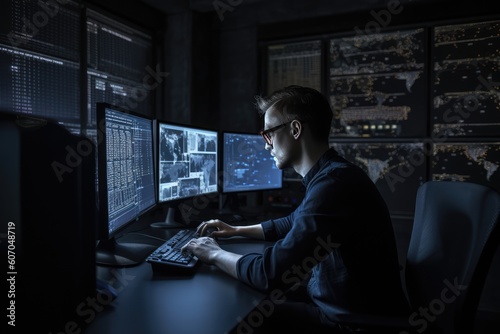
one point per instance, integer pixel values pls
(476, 162)
(377, 84)
(466, 80)
(294, 63)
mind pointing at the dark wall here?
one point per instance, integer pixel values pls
(177, 89)
(215, 67)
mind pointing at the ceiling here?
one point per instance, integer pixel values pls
(173, 6)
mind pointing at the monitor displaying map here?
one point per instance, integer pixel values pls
(466, 80)
(377, 84)
(471, 162)
(187, 161)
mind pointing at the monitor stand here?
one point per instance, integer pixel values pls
(111, 253)
(229, 209)
(232, 201)
(169, 221)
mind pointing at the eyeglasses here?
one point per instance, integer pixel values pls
(266, 134)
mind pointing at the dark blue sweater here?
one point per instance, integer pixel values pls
(339, 241)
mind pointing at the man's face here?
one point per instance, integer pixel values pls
(282, 140)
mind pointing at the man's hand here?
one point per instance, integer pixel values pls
(216, 228)
(204, 248)
(207, 250)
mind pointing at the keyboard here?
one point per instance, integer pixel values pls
(229, 218)
(167, 258)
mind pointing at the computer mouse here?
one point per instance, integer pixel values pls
(237, 218)
(207, 231)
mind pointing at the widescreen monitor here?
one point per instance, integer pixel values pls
(126, 179)
(187, 166)
(247, 165)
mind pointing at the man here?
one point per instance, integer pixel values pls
(335, 255)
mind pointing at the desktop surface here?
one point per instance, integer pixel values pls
(209, 301)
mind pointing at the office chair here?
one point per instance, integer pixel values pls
(454, 238)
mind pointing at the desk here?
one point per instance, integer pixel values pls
(208, 302)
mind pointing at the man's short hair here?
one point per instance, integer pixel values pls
(302, 103)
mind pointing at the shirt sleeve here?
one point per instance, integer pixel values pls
(276, 229)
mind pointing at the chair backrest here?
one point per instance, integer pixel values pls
(454, 237)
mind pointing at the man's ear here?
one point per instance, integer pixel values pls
(296, 129)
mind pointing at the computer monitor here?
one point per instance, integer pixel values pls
(126, 180)
(247, 165)
(187, 168)
(48, 213)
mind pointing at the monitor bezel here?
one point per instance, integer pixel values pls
(223, 170)
(103, 222)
